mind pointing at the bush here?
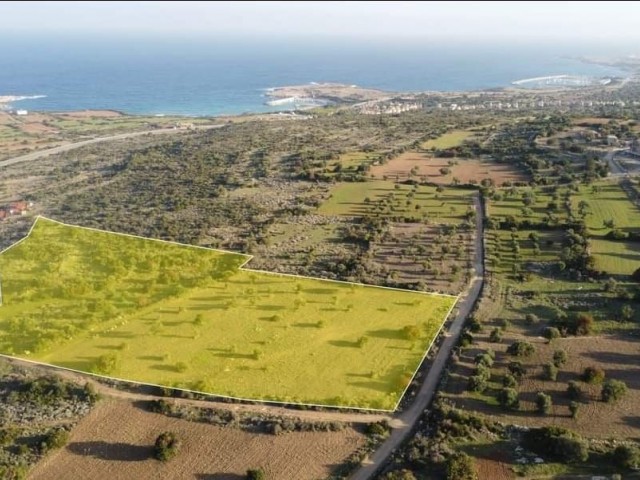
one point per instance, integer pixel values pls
(531, 319)
(475, 326)
(574, 391)
(543, 403)
(574, 407)
(593, 375)
(508, 399)
(460, 466)
(256, 474)
(400, 475)
(56, 438)
(378, 429)
(550, 371)
(521, 348)
(166, 446)
(613, 390)
(560, 357)
(551, 333)
(628, 457)
(495, 336)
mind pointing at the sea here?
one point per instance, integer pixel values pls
(219, 76)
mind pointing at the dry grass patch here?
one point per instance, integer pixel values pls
(104, 446)
(424, 167)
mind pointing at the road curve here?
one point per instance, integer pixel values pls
(402, 426)
(72, 146)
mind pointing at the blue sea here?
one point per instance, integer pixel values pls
(229, 76)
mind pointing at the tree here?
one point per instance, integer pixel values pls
(520, 348)
(460, 466)
(484, 359)
(517, 369)
(626, 313)
(574, 391)
(496, 335)
(256, 474)
(477, 383)
(531, 318)
(543, 403)
(635, 276)
(508, 399)
(593, 375)
(550, 371)
(560, 357)
(411, 332)
(400, 475)
(551, 333)
(627, 456)
(613, 390)
(509, 381)
(166, 446)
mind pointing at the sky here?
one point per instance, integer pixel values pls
(466, 21)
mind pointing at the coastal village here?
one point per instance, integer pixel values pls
(15, 209)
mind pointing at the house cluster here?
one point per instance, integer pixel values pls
(14, 209)
(379, 108)
(528, 104)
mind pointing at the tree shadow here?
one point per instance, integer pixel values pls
(165, 368)
(246, 356)
(120, 452)
(270, 308)
(343, 343)
(320, 291)
(219, 476)
(151, 358)
(306, 325)
(386, 333)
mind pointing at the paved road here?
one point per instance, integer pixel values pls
(402, 426)
(72, 146)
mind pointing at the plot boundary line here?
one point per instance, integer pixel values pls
(241, 267)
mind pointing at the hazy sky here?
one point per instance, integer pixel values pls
(600, 21)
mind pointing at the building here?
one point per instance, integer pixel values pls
(22, 112)
(612, 140)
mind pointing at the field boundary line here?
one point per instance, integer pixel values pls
(241, 267)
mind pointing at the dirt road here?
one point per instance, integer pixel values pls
(72, 146)
(402, 426)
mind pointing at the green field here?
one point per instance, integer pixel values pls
(448, 140)
(607, 202)
(511, 202)
(618, 258)
(384, 198)
(187, 317)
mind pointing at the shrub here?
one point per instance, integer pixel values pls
(613, 390)
(593, 375)
(475, 326)
(508, 399)
(411, 332)
(483, 371)
(166, 446)
(574, 391)
(574, 407)
(56, 438)
(521, 348)
(551, 333)
(460, 466)
(627, 456)
(256, 474)
(560, 357)
(531, 319)
(550, 371)
(543, 403)
(400, 475)
(378, 429)
(495, 336)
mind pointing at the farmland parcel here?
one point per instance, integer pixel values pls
(187, 317)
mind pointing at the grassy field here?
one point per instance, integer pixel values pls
(607, 202)
(448, 140)
(511, 202)
(384, 198)
(618, 258)
(167, 314)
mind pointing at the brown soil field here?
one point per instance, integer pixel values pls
(428, 169)
(115, 442)
(413, 252)
(618, 356)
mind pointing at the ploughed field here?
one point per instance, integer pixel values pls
(187, 317)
